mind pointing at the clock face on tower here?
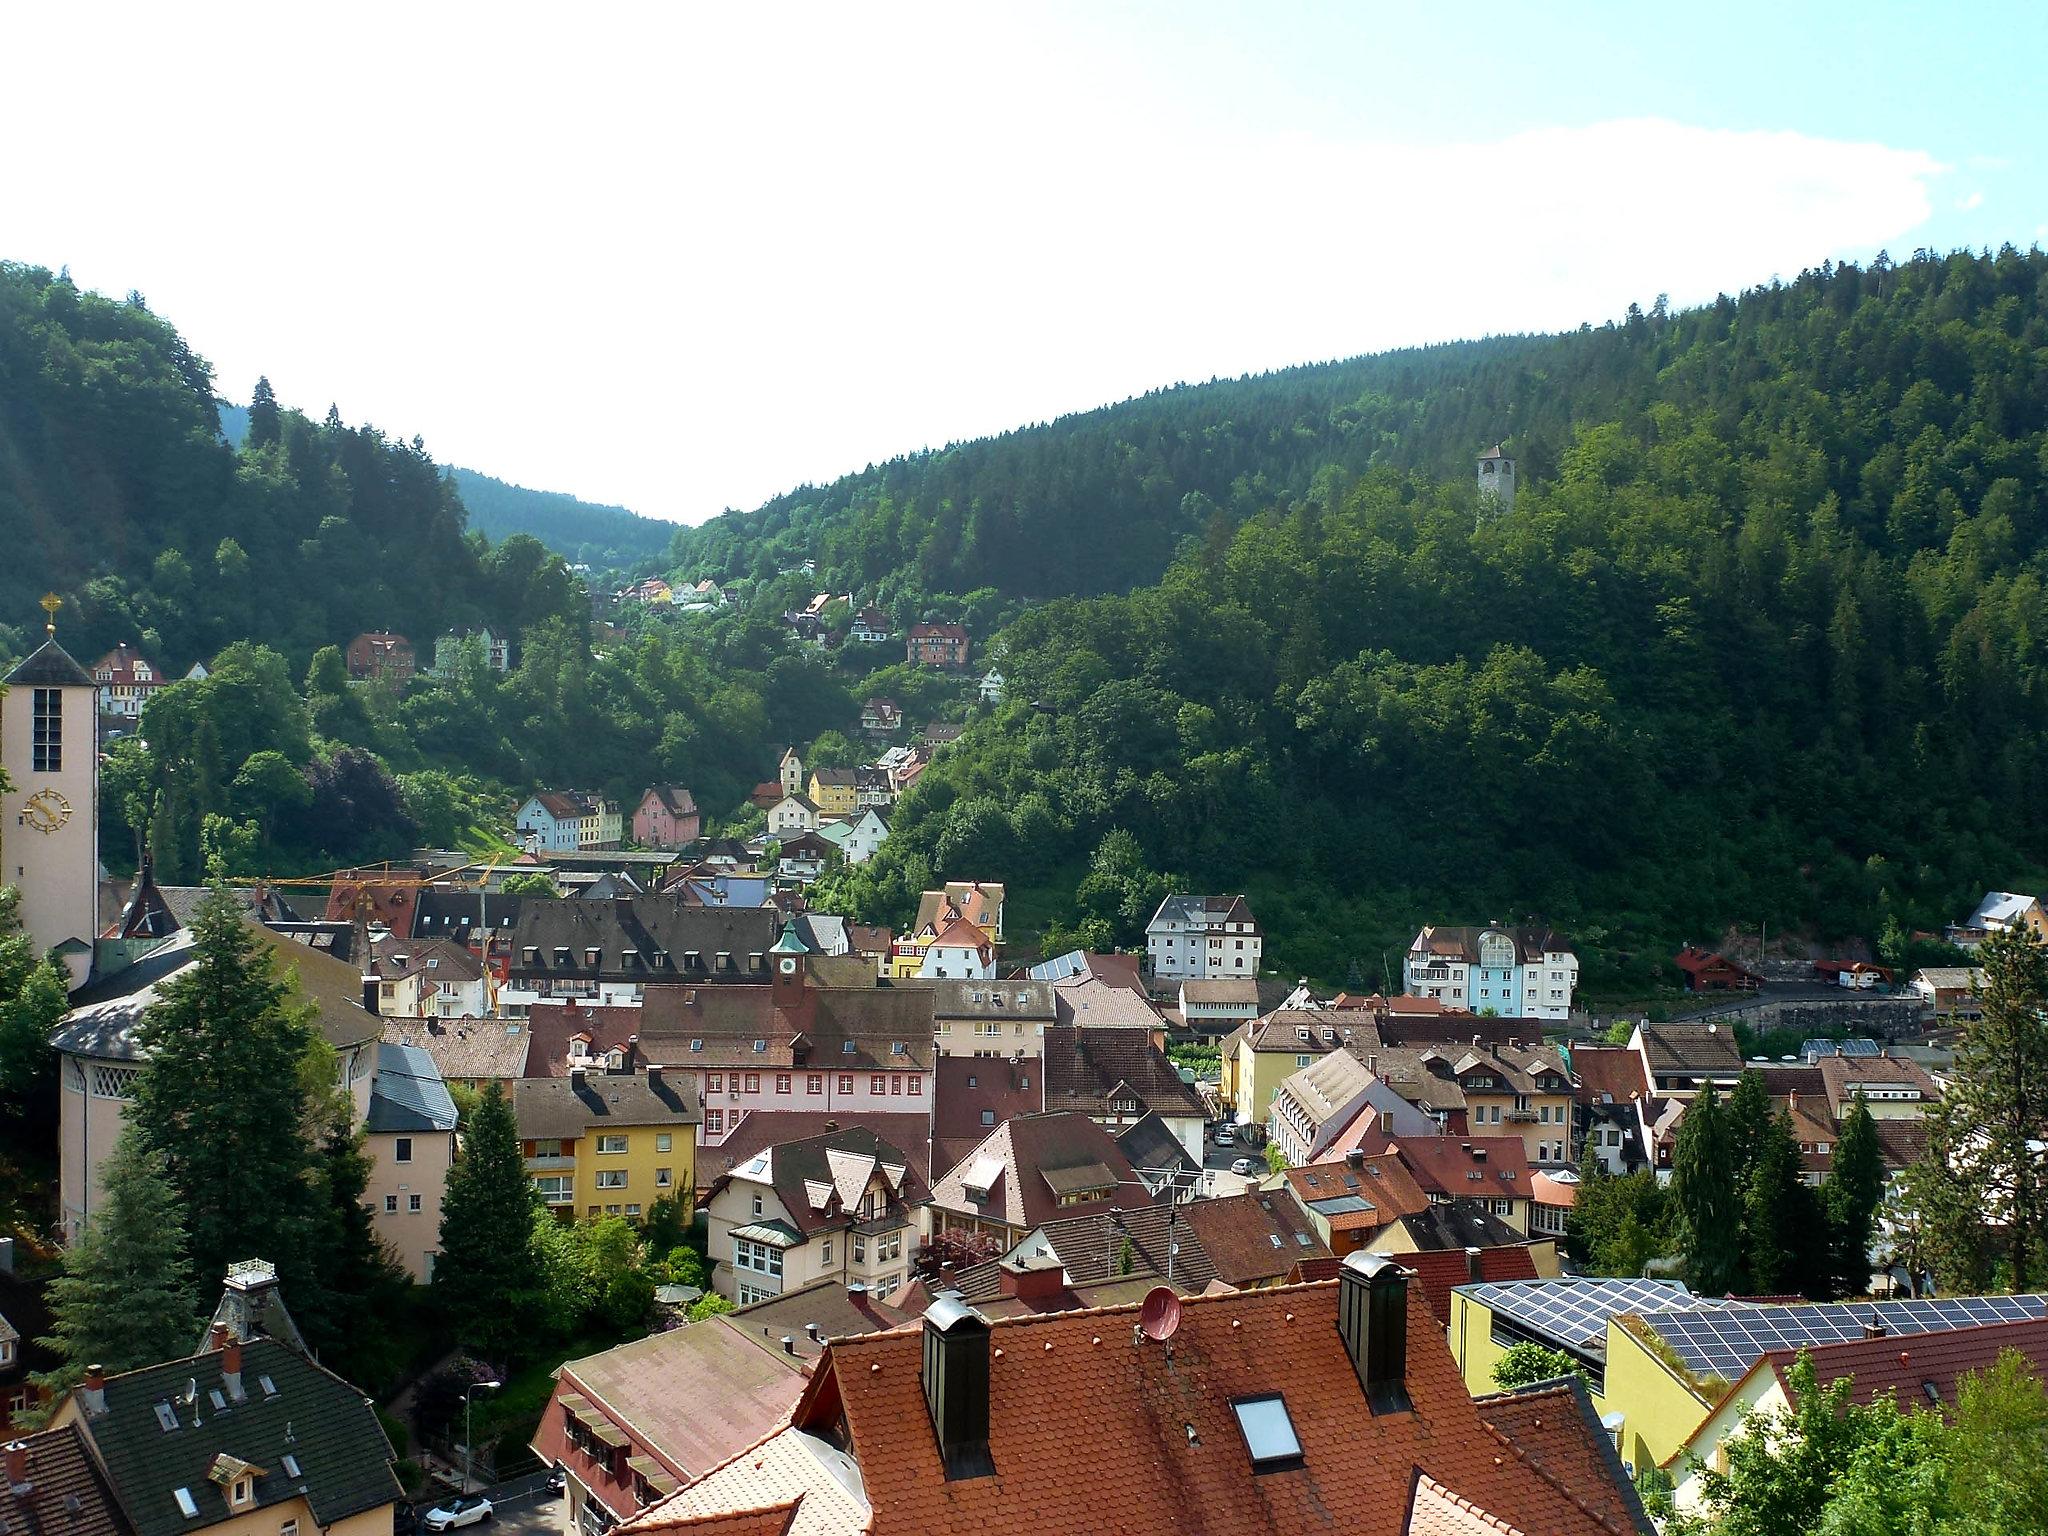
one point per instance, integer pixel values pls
(45, 810)
(789, 965)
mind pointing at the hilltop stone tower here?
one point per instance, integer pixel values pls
(49, 815)
(1496, 482)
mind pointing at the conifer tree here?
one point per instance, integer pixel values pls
(1996, 1105)
(125, 1297)
(1709, 1202)
(1749, 1119)
(264, 418)
(1854, 1188)
(488, 1277)
(222, 1100)
(1785, 1241)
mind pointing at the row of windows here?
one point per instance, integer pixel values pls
(879, 1084)
(664, 1141)
(412, 1203)
(761, 1258)
(889, 1245)
(47, 749)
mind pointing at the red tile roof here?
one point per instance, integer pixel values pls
(1613, 1070)
(1907, 1363)
(760, 1128)
(1553, 1427)
(1025, 1159)
(966, 1087)
(1445, 1165)
(1237, 1233)
(1089, 1433)
(1384, 1181)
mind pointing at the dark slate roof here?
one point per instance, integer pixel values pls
(1152, 1147)
(460, 915)
(65, 1495)
(650, 927)
(407, 1094)
(551, 1107)
(313, 1415)
(1459, 1224)
(793, 1166)
(49, 666)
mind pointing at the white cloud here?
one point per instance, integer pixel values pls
(670, 260)
(1972, 200)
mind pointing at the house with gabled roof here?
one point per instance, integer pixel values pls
(1528, 972)
(127, 680)
(1193, 938)
(666, 817)
(630, 1425)
(1030, 1170)
(842, 1206)
(54, 1487)
(959, 949)
(1117, 1076)
(1330, 1406)
(243, 1436)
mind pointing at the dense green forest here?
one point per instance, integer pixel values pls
(587, 533)
(604, 538)
(1761, 640)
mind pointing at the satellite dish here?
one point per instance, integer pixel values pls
(1159, 1314)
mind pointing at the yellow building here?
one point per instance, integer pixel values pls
(609, 1144)
(834, 791)
(1261, 1055)
(1581, 1317)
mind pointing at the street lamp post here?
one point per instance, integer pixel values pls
(468, 1446)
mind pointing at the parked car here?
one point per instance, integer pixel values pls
(557, 1481)
(1244, 1166)
(1225, 1137)
(468, 1509)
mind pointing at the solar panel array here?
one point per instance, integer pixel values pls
(1575, 1312)
(1726, 1341)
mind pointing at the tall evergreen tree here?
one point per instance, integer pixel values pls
(125, 1297)
(222, 1099)
(1750, 1119)
(488, 1278)
(1709, 1202)
(1994, 1113)
(1854, 1188)
(1784, 1239)
(265, 421)
(32, 999)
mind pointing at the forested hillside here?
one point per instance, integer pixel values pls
(1762, 639)
(601, 537)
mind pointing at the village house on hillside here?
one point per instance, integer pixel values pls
(567, 821)
(937, 645)
(127, 681)
(666, 817)
(1201, 937)
(494, 648)
(380, 656)
(1528, 972)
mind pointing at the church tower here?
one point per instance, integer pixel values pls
(790, 960)
(49, 815)
(1496, 482)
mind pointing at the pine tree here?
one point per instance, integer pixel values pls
(265, 421)
(488, 1277)
(1996, 1105)
(222, 1098)
(1784, 1239)
(125, 1297)
(32, 999)
(1709, 1203)
(1854, 1188)
(1749, 1118)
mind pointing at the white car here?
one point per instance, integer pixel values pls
(470, 1509)
(1225, 1136)
(1244, 1167)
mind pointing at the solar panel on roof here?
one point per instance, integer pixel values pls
(1728, 1340)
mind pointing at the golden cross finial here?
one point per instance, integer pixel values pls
(51, 602)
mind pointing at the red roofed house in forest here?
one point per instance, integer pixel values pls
(1332, 1406)
(1705, 971)
(937, 645)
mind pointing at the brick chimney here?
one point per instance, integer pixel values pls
(17, 1466)
(92, 1391)
(217, 1337)
(231, 1369)
(1033, 1279)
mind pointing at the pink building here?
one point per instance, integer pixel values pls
(666, 818)
(799, 1045)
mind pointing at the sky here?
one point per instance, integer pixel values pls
(686, 257)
